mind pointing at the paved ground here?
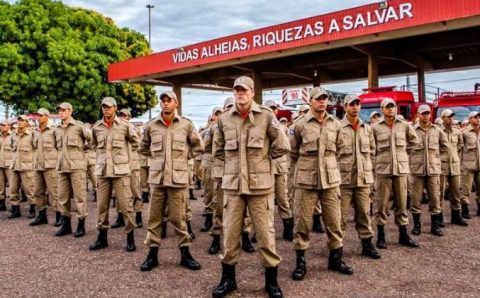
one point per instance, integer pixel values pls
(33, 263)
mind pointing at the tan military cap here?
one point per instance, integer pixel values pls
(283, 119)
(43, 112)
(170, 94)
(65, 105)
(271, 103)
(447, 113)
(22, 117)
(109, 101)
(125, 112)
(304, 108)
(424, 109)
(216, 110)
(244, 82)
(228, 102)
(438, 121)
(317, 92)
(350, 98)
(4, 122)
(387, 101)
(473, 114)
(373, 114)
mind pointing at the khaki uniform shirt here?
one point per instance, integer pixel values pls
(425, 156)
(169, 147)
(134, 156)
(70, 143)
(281, 164)
(6, 150)
(355, 148)
(47, 154)
(247, 148)
(450, 158)
(471, 149)
(314, 149)
(112, 149)
(24, 151)
(207, 157)
(391, 147)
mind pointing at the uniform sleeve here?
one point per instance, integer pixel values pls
(412, 138)
(195, 141)
(207, 137)
(295, 138)
(93, 139)
(87, 136)
(144, 148)
(133, 137)
(279, 144)
(373, 146)
(460, 143)
(218, 142)
(443, 141)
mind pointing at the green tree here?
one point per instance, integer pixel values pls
(50, 53)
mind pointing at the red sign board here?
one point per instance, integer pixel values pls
(350, 23)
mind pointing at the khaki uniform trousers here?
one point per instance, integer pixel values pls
(5, 174)
(208, 193)
(385, 186)
(188, 209)
(359, 197)
(144, 179)
(136, 196)
(281, 194)
(175, 198)
(21, 179)
(92, 177)
(454, 187)
(197, 168)
(217, 226)
(72, 184)
(432, 184)
(305, 203)
(261, 208)
(45, 181)
(105, 187)
(469, 179)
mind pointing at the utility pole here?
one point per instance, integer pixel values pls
(150, 7)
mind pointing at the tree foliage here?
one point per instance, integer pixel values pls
(50, 53)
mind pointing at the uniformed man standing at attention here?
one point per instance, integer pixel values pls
(426, 168)
(168, 139)
(71, 137)
(112, 138)
(393, 137)
(23, 144)
(6, 155)
(46, 177)
(354, 159)
(451, 168)
(471, 162)
(314, 143)
(248, 138)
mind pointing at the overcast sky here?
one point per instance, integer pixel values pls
(176, 23)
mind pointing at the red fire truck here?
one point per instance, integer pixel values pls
(461, 103)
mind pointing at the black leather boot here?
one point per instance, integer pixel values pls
(58, 219)
(101, 242)
(381, 243)
(120, 222)
(41, 218)
(151, 261)
(66, 227)
(247, 246)
(187, 260)
(228, 282)
(404, 239)
(80, 232)
(457, 219)
(440, 220)
(254, 238)
(163, 229)
(145, 197)
(191, 195)
(288, 229)
(300, 266)
(208, 223)
(190, 230)
(31, 212)
(271, 283)
(465, 211)
(198, 184)
(15, 212)
(434, 228)
(417, 225)
(215, 246)
(138, 219)
(369, 250)
(335, 262)
(3, 207)
(94, 195)
(317, 224)
(131, 242)
(23, 196)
